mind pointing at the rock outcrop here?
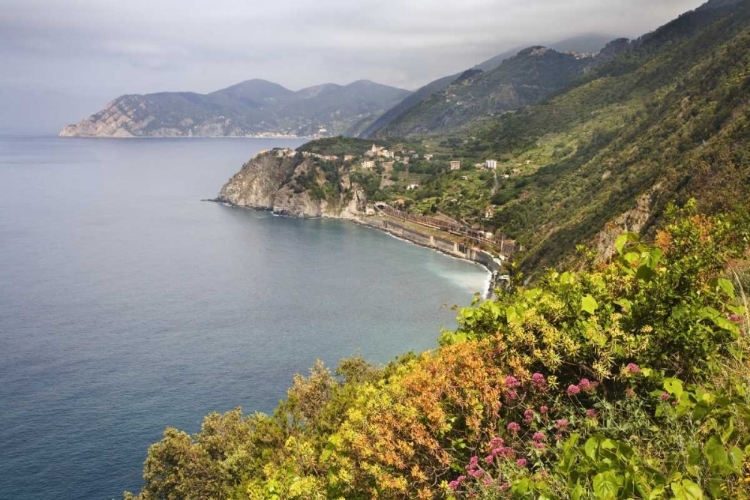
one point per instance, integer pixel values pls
(289, 183)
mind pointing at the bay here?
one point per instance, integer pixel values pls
(128, 305)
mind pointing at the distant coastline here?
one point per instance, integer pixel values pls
(261, 136)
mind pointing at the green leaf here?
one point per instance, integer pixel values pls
(694, 456)
(521, 487)
(687, 490)
(736, 456)
(577, 492)
(511, 314)
(701, 410)
(716, 454)
(589, 305)
(657, 493)
(716, 487)
(645, 273)
(591, 447)
(606, 485)
(673, 386)
(728, 431)
(625, 304)
(726, 286)
(621, 241)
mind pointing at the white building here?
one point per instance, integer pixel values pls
(368, 165)
(491, 164)
(455, 165)
(412, 187)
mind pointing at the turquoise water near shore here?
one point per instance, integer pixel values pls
(127, 305)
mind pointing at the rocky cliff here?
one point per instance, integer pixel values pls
(289, 183)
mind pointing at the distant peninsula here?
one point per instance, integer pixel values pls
(254, 108)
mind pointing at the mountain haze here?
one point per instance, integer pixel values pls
(531, 75)
(251, 108)
(591, 43)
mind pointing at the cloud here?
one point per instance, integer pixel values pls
(115, 47)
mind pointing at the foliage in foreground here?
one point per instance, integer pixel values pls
(629, 380)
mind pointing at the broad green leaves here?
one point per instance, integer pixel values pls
(589, 304)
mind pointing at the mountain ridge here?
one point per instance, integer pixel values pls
(591, 42)
(253, 107)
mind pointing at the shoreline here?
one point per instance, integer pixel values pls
(409, 236)
(474, 256)
(488, 289)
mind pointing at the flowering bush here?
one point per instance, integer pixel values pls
(628, 380)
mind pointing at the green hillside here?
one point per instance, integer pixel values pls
(664, 121)
(525, 79)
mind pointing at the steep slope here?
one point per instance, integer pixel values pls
(254, 107)
(666, 121)
(662, 119)
(530, 76)
(412, 100)
(592, 43)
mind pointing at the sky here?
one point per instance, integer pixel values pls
(63, 60)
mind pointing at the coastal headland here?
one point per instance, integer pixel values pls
(308, 185)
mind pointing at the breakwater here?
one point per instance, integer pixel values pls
(452, 248)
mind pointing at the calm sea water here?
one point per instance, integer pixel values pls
(127, 305)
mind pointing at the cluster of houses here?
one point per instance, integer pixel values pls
(378, 154)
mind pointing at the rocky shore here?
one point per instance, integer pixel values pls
(288, 183)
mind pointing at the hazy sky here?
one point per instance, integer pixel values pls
(63, 59)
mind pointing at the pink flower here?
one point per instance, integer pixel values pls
(528, 415)
(473, 463)
(511, 381)
(514, 427)
(633, 368)
(573, 390)
(489, 459)
(586, 385)
(561, 424)
(538, 436)
(538, 445)
(456, 482)
(664, 396)
(735, 318)
(487, 482)
(503, 451)
(476, 473)
(522, 462)
(591, 413)
(543, 410)
(558, 437)
(495, 442)
(511, 395)
(503, 487)
(539, 381)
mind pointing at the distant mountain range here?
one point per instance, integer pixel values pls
(261, 108)
(251, 108)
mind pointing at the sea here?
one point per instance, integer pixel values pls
(128, 305)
